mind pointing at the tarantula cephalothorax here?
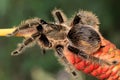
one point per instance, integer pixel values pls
(80, 35)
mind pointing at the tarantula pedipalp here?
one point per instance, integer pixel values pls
(80, 36)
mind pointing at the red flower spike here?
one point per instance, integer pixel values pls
(99, 70)
(105, 75)
(90, 68)
(80, 65)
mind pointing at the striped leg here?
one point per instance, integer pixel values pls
(28, 25)
(71, 69)
(87, 56)
(59, 16)
(25, 44)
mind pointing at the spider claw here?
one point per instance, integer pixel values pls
(15, 53)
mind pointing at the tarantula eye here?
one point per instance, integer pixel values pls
(84, 37)
(39, 28)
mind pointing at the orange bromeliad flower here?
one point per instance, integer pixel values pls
(78, 43)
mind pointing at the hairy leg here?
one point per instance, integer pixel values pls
(59, 16)
(71, 69)
(25, 44)
(28, 25)
(86, 56)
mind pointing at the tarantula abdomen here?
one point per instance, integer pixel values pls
(85, 38)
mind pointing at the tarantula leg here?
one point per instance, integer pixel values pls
(76, 20)
(23, 26)
(13, 33)
(25, 44)
(86, 18)
(59, 16)
(59, 50)
(87, 56)
(28, 26)
(78, 52)
(45, 41)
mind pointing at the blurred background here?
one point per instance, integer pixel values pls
(32, 65)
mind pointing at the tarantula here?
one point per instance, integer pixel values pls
(79, 35)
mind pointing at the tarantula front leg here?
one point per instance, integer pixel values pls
(28, 26)
(26, 43)
(60, 54)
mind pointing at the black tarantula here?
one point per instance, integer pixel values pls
(79, 35)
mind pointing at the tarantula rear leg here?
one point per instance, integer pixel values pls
(86, 18)
(59, 16)
(59, 49)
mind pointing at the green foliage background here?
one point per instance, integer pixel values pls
(32, 65)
